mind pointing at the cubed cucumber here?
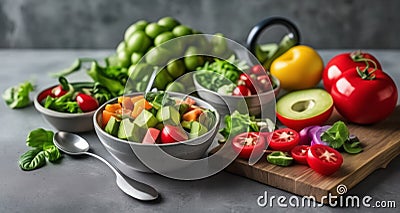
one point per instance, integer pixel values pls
(112, 126)
(144, 121)
(197, 129)
(125, 129)
(168, 115)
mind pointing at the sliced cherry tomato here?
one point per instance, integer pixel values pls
(299, 154)
(324, 159)
(171, 134)
(258, 70)
(44, 94)
(86, 102)
(248, 142)
(284, 139)
(241, 90)
(58, 91)
(264, 83)
(247, 80)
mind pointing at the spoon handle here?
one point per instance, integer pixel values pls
(131, 187)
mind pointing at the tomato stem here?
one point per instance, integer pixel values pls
(357, 56)
(364, 74)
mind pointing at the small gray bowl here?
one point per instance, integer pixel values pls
(226, 104)
(164, 159)
(69, 122)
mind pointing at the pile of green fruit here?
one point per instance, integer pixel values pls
(145, 48)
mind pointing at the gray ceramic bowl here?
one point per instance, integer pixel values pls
(160, 158)
(69, 122)
(226, 104)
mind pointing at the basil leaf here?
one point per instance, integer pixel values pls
(336, 135)
(352, 148)
(39, 138)
(51, 152)
(32, 159)
(18, 96)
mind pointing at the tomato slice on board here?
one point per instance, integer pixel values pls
(324, 159)
(247, 142)
(299, 154)
(284, 139)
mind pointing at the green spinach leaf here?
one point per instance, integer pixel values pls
(32, 159)
(18, 96)
(41, 141)
(39, 138)
(336, 135)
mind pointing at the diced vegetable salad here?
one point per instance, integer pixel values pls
(156, 118)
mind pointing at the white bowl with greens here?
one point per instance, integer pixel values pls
(220, 81)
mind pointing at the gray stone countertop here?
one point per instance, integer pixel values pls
(84, 184)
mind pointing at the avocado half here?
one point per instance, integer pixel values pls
(303, 108)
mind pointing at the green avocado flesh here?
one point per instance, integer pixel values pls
(304, 104)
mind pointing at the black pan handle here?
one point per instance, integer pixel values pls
(259, 28)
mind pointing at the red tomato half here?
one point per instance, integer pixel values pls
(299, 154)
(247, 80)
(324, 159)
(284, 139)
(257, 70)
(86, 102)
(58, 91)
(364, 101)
(248, 142)
(171, 134)
(241, 90)
(342, 62)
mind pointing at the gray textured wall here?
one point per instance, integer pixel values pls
(101, 23)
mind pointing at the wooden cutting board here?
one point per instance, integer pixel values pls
(381, 143)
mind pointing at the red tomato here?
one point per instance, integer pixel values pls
(247, 80)
(299, 154)
(151, 136)
(264, 83)
(342, 62)
(86, 102)
(44, 94)
(258, 70)
(284, 139)
(364, 101)
(248, 142)
(171, 134)
(324, 159)
(58, 91)
(241, 90)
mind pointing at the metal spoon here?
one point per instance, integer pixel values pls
(75, 145)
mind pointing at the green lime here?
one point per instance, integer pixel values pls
(154, 29)
(162, 79)
(135, 57)
(163, 37)
(219, 44)
(138, 42)
(138, 71)
(182, 30)
(121, 47)
(138, 26)
(168, 22)
(176, 68)
(158, 56)
(193, 59)
(175, 87)
(124, 60)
